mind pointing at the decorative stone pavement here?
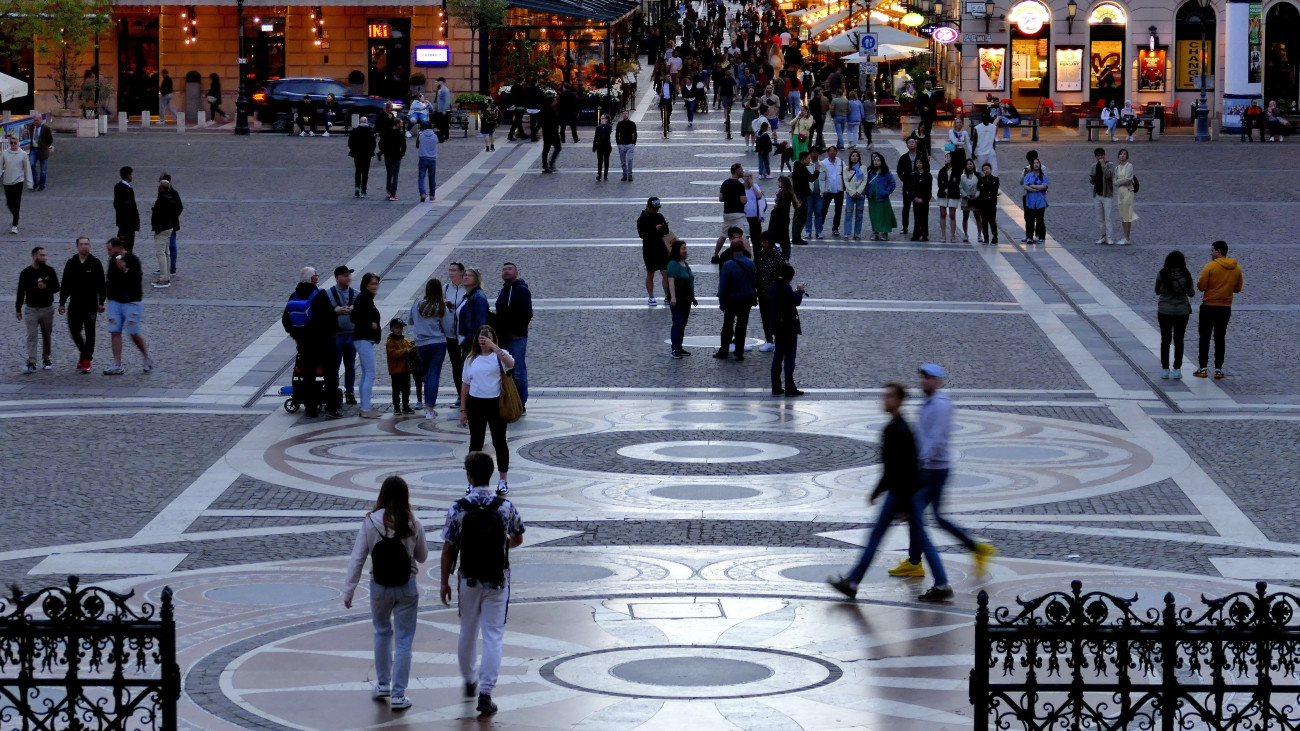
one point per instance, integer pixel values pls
(681, 522)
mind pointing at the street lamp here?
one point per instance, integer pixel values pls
(1202, 109)
(1071, 9)
(241, 103)
(988, 15)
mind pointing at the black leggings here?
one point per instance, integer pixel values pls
(361, 178)
(1036, 227)
(1172, 328)
(14, 199)
(989, 223)
(602, 163)
(485, 413)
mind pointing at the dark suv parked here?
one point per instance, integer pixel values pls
(274, 105)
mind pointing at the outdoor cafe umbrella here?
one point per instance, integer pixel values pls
(885, 52)
(11, 88)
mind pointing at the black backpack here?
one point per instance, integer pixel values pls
(483, 552)
(390, 564)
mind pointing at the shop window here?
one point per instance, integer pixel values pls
(264, 44)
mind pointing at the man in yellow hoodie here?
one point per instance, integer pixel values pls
(1220, 280)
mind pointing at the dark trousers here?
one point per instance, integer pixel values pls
(989, 223)
(391, 168)
(787, 345)
(569, 124)
(516, 125)
(1036, 226)
(1173, 328)
(922, 211)
(361, 174)
(80, 321)
(866, 133)
(1213, 321)
(735, 321)
(819, 125)
(550, 151)
(457, 359)
(127, 237)
(765, 313)
(931, 496)
(755, 228)
(681, 314)
(602, 163)
(14, 199)
(442, 120)
(800, 220)
(908, 203)
(838, 198)
(401, 390)
(485, 414)
(320, 355)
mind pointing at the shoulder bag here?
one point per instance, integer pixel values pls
(511, 406)
(1134, 183)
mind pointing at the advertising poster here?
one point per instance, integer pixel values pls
(991, 67)
(1188, 65)
(1254, 40)
(1151, 70)
(1069, 69)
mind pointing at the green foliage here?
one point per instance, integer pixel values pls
(527, 61)
(480, 16)
(418, 79)
(61, 31)
(470, 98)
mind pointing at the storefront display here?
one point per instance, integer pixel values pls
(1151, 70)
(992, 68)
(1069, 68)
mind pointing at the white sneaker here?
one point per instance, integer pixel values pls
(1123, 242)
(13, 229)
(408, 134)
(400, 703)
(429, 414)
(381, 691)
(652, 302)
(325, 134)
(1103, 241)
(148, 364)
(766, 348)
(311, 134)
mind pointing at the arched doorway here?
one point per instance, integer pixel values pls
(1195, 57)
(1107, 30)
(1282, 53)
(1031, 27)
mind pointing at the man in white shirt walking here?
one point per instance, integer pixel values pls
(832, 185)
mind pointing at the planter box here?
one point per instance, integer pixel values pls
(87, 127)
(64, 120)
(908, 124)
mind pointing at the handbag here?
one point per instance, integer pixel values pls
(949, 147)
(1135, 184)
(212, 99)
(510, 405)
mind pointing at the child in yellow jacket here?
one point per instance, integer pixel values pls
(400, 351)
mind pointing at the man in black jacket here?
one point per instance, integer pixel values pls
(37, 285)
(625, 138)
(552, 136)
(361, 147)
(164, 220)
(392, 148)
(906, 166)
(312, 330)
(567, 109)
(900, 479)
(124, 209)
(83, 284)
(802, 182)
(514, 312)
(651, 226)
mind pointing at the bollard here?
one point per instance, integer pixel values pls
(121, 121)
(144, 119)
(180, 122)
(355, 118)
(202, 119)
(103, 124)
(8, 117)
(1035, 125)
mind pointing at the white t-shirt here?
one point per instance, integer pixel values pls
(674, 65)
(483, 374)
(785, 38)
(985, 136)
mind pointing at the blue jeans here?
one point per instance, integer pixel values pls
(431, 165)
(764, 163)
(171, 248)
(793, 103)
(840, 124)
(916, 529)
(853, 215)
(1110, 126)
(431, 356)
(346, 352)
(681, 314)
(787, 346)
(366, 358)
(816, 214)
(38, 167)
(394, 608)
(931, 495)
(690, 111)
(518, 349)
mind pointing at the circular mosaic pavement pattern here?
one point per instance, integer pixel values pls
(691, 672)
(664, 452)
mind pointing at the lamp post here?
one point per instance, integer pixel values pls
(241, 103)
(988, 15)
(1071, 9)
(1203, 109)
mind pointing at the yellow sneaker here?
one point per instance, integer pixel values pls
(907, 568)
(983, 552)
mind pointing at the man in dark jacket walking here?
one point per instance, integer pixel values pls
(737, 287)
(361, 147)
(125, 210)
(651, 226)
(34, 306)
(566, 106)
(625, 138)
(42, 146)
(514, 312)
(83, 284)
(552, 136)
(900, 479)
(392, 148)
(310, 320)
(164, 219)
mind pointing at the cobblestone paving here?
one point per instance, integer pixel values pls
(1161, 498)
(1083, 414)
(249, 494)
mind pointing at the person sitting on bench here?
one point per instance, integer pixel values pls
(307, 117)
(1128, 119)
(1008, 116)
(1277, 126)
(1110, 118)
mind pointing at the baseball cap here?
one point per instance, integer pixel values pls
(397, 322)
(653, 202)
(932, 369)
(342, 269)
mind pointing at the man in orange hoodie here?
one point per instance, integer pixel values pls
(1220, 280)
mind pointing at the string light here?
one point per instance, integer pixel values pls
(189, 22)
(318, 24)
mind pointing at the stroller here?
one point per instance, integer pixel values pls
(306, 389)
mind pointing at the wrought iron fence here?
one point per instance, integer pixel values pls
(1075, 660)
(82, 659)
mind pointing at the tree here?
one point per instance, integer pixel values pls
(480, 16)
(62, 31)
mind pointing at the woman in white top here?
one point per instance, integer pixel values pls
(968, 187)
(755, 206)
(394, 600)
(959, 138)
(480, 398)
(1110, 118)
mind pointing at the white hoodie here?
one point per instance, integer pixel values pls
(15, 167)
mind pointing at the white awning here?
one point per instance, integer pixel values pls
(886, 52)
(888, 37)
(11, 88)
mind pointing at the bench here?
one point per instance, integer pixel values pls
(460, 118)
(1144, 124)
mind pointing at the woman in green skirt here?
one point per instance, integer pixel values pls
(880, 185)
(747, 119)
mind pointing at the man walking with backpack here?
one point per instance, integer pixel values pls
(481, 529)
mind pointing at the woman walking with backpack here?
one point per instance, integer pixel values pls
(394, 541)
